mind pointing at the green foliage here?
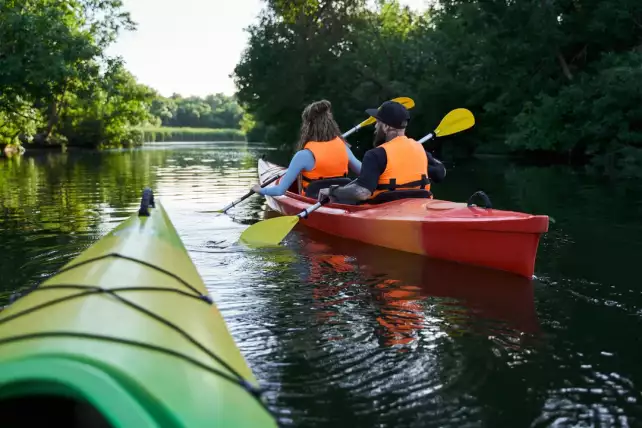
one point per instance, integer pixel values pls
(159, 134)
(107, 114)
(559, 76)
(599, 114)
(212, 111)
(18, 122)
(56, 84)
(44, 48)
(293, 58)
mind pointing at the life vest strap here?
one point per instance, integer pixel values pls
(392, 185)
(309, 180)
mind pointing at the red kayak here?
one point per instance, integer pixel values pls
(503, 240)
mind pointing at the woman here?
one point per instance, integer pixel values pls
(321, 152)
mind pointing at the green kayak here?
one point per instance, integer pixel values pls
(125, 335)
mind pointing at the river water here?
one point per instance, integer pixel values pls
(342, 334)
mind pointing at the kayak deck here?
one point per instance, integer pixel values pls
(504, 240)
(127, 334)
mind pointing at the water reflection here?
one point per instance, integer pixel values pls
(387, 337)
(470, 297)
(53, 205)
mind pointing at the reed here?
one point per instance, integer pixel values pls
(164, 134)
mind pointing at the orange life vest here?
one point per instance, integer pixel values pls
(330, 161)
(406, 168)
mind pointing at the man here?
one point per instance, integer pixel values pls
(396, 163)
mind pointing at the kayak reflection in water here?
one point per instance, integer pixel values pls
(396, 163)
(400, 316)
(416, 299)
(326, 294)
(321, 152)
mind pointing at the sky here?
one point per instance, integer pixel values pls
(190, 47)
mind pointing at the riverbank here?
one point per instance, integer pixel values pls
(146, 135)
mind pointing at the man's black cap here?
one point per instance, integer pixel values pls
(392, 114)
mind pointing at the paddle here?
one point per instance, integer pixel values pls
(455, 121)
(272, 231)
(248, 194)
(405, 101)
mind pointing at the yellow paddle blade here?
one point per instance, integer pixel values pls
(405, 101)
(269, 232)
(368, 121)
(455, 121)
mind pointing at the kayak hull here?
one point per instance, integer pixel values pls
(127, 329)
(492, 238)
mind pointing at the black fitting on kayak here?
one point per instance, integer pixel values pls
(14, 296)
(20, 294)
(251, 389)
(146, 201)
(483, 196)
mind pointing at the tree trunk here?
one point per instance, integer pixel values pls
(52, 121)
(42, 138)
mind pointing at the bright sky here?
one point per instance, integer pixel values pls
(190, 46)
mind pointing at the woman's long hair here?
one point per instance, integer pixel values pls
(318, 124)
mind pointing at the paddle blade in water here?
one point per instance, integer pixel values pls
(269, 232)
(457, 120)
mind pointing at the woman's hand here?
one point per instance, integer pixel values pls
(256, 188)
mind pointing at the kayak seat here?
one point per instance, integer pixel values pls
(396, 195)
(68, 393)
(313, 188)
(58, 410)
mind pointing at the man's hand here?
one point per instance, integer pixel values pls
(256, 188)
(328, 193)
(349, 192)
(324, 193)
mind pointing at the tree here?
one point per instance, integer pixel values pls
(109, 110)
(213, 111)
(294, 57)
(50, 53)
(512, 63)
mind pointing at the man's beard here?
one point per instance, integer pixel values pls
(379, 137)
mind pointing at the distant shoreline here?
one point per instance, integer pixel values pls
(165, 133)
